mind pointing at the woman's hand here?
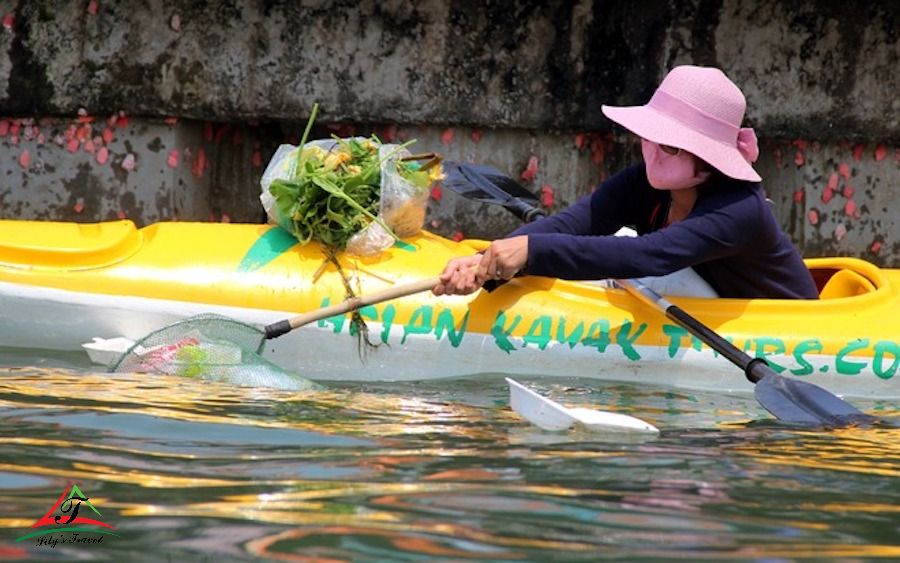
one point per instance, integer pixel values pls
(503, 259)
(458, 277)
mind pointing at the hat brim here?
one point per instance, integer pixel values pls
(646, 122)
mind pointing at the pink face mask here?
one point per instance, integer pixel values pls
(670, 171)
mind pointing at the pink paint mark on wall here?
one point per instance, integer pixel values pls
(25, 159)
(84, 132)
(547, 198)
(880, 152)
(89, 147)
(389, 134)
(827, 195)
(813, 217)
(840, 232)
(437, 192)
(850, 208)
(848, 191)
(799, 194)
(172, 158)
(108, 135)
(79, 205)
(222, 131)
(92, 7)
(844, 170)
(530, 169)
(256, 160)
(858, 149)
(598, 150)
(226, 218)
(457, 236)
(72, 145)
(121, 120)
(9, 20)
(128, 163)
(799, 158)
(876, 246)
(200, 163)
(579, 140)
(779, 158)
(102, 155)
(4, 127)
(121, 214)
(447, 136)
(477, 134)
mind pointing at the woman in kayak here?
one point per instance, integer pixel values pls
(695, 202)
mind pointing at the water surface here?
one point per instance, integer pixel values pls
(192, 470)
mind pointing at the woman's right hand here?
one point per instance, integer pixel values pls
(459, 276)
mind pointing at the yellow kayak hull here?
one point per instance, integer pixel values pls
(61, 284)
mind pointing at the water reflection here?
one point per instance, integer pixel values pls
(188, 469)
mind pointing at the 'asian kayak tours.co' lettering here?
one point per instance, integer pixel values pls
(544, 330)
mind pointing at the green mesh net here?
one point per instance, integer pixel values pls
(212, 347)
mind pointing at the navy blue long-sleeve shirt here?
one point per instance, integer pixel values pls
(731, 238)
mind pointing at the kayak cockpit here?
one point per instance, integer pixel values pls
(67, 246)
(845, 277)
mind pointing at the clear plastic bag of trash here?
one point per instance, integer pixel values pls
(402, 193)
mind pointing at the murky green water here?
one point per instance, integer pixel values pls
(187, 470)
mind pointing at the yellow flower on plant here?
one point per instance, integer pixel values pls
(436, 174)
(335, 159)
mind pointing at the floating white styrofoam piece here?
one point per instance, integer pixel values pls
(550, 415)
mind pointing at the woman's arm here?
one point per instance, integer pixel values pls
(723, 228)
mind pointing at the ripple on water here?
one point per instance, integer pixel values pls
(187, 469)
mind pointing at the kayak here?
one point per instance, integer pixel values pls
(64, 284)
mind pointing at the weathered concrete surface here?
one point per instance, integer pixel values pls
(811, 69)
(197, 96)
(89, 169)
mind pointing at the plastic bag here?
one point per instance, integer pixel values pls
(402, 202)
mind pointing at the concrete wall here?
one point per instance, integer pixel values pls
(197, 95)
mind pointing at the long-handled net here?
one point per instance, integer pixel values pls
(209, 346)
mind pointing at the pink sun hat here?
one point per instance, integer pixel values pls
(697, 109)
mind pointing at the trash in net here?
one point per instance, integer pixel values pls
(209, 346)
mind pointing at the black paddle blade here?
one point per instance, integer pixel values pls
(489, 185)
(798, 402)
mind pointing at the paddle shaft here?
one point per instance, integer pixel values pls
(275, 330)
(754, 368)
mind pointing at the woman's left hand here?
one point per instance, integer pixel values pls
(503, 259)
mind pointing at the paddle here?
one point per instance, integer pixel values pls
(488, 185)
(790, 400)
